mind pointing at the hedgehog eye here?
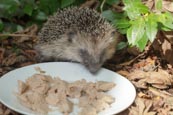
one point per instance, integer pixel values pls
(71, 35)
(113, 33)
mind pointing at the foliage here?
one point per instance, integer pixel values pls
(137, 21)
(16, 14)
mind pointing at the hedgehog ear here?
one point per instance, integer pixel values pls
(71, 35)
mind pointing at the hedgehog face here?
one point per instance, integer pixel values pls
(93, 51)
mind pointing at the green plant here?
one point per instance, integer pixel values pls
(16, 14)
(139, 23)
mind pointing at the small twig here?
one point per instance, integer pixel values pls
(119, 8)
(17, 35)
(101, 6)
(131, 61)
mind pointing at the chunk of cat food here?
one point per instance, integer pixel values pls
(41, 91)
(88, 110)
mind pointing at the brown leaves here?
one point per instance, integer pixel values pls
(158, 104)
(160, 79)
(164, 44)
(26, 35)
(153, 85)
(91, 4)
(17, 51)
(142, 107)
(10, 60)
(5, 111)
(2, 50)
(166, 5)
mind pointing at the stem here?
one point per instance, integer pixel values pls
(102, 4)
(17, 35)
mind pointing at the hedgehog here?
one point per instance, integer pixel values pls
(77, 34)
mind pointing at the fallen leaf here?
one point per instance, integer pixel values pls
(25, 64)
(148, 64)
(10, 60)
(164, 46)
(142, 107)
(143, 95)
(149, 4)
(29, 33)
(2, 50)
(160, 79)
(30, 54)
(169, 35)
(167, 5)
(91, 4)
(123, 73)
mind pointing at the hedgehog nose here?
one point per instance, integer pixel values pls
(94, 68)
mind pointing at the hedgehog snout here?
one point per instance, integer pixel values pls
(94, 68)
(92, 63)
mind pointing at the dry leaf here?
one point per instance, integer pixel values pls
(123, 73)
(27, 34)
(143, 95)
(142, 107)
(169, 35)
(91, 4)
(2, 50)
(149, 4)
(167, 5)
(146, 64)
(25, 64)
(30, 54)
(10, 60)
(161, 79)
(164, 46)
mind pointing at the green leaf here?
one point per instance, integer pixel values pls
(109, 15)
(123, 30)
(142, 42)
(158, 4)
(166, 19)
(129, 1)
(1, 25)
(41, 16)
(135, 8)
(19, 28)
(8, 8)
(121, 45)
(49, 6)
(122, 23)
(111, 2)
(65, 3)
(151, 27)
(169, 20)
(165, 28)
(160, 18)
(136, 31)
(79, 2)
(28, 9)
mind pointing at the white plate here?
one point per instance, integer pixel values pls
(124, 92)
